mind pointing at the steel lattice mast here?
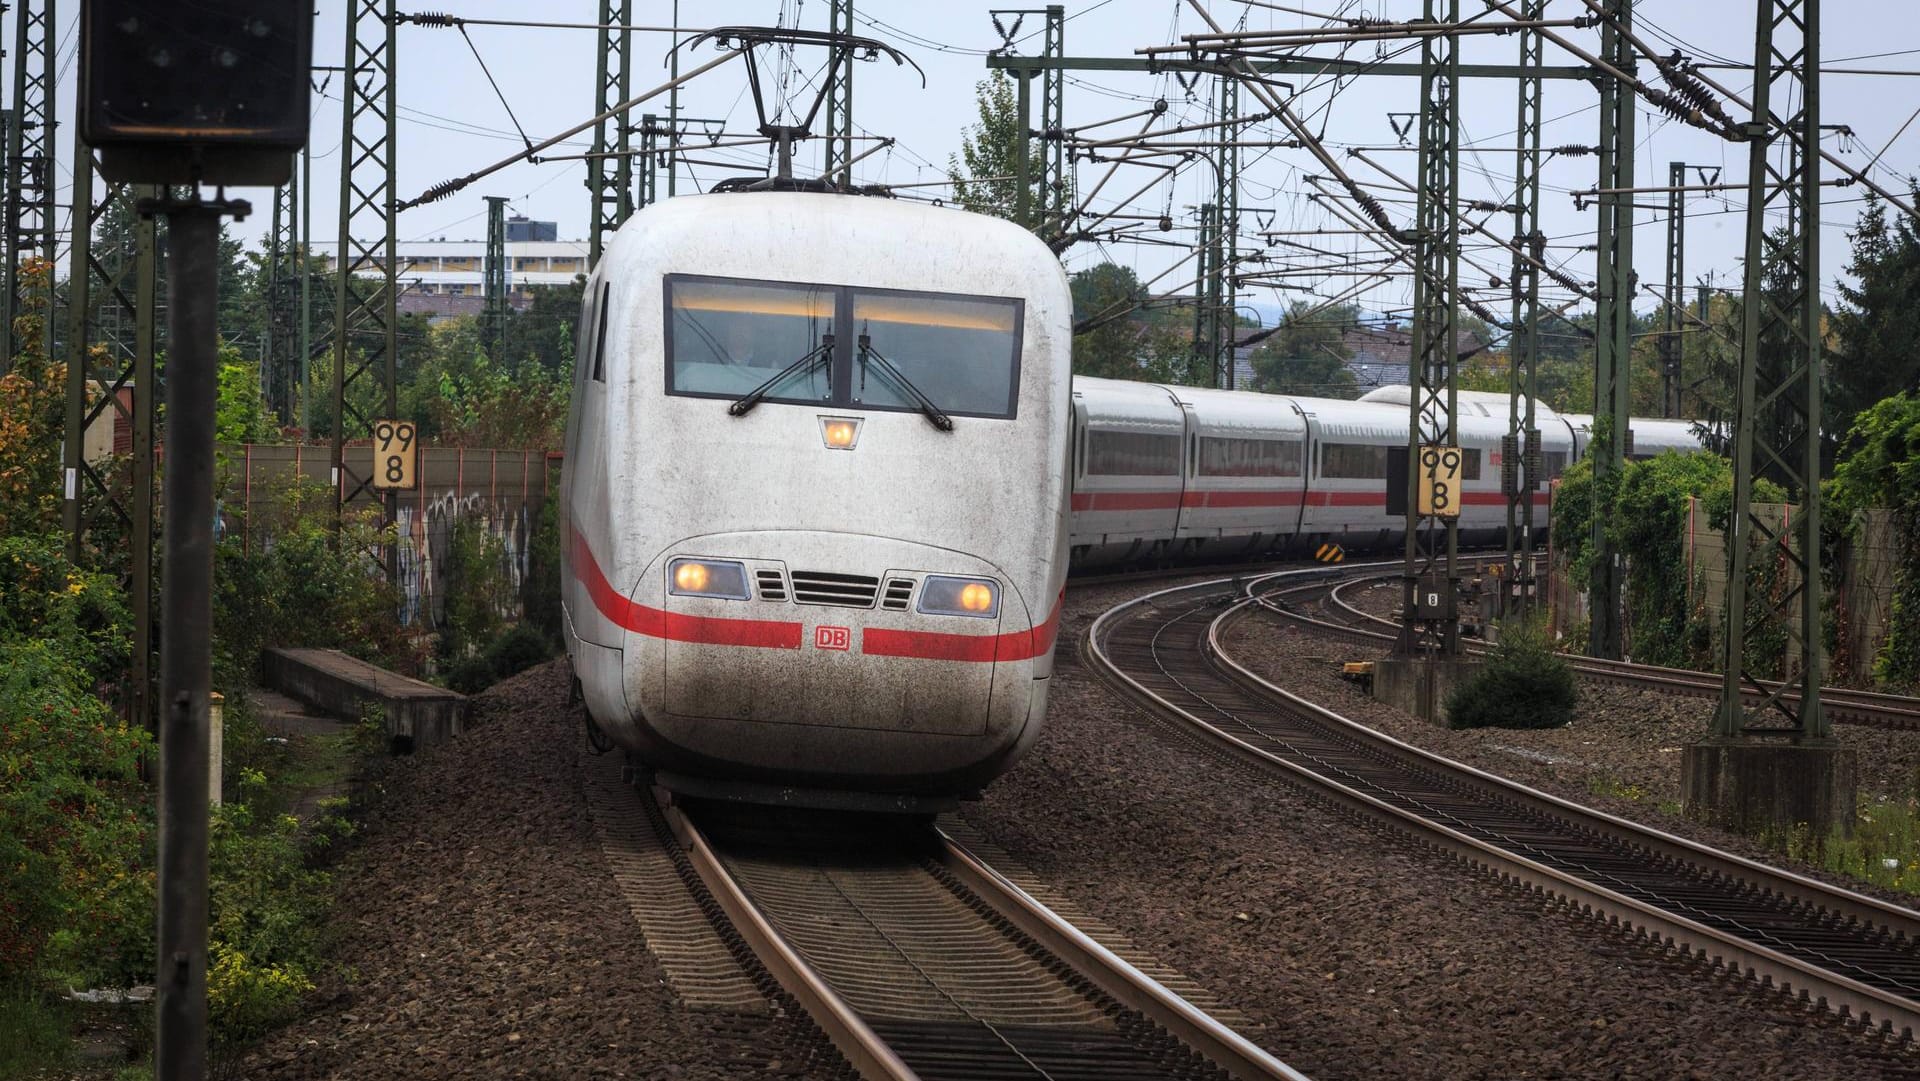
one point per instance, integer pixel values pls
(28, 207)
(840, 106)
(1673, 291)
(610, 162)
(493, 331)
(1432, 542)
(366, 308)
(110, 379)
(1777, 418)
(1613, 319)
(1520, 466)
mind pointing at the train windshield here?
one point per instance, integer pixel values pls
(750, 341)
(960, 353)
(730, 337)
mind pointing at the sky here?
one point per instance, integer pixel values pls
(451, 121)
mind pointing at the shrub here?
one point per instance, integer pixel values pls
(519, 649)
(1523, 683)
(540, 592)
(476, 587)
(299, 583)
(76, 884)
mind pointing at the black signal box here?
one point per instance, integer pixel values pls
(214, 91)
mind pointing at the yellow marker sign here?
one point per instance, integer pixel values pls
(395, 454)
(1439, 488)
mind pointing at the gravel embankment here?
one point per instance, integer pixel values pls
(482, 934)
(1363, 957)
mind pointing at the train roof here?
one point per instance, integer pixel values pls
(1123, 401)
(1485, 403)
(1243, 412)
(835, 239)
(1649, 433)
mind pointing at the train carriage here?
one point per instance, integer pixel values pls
(1246, 477)
(816, 496)
(1128, 471)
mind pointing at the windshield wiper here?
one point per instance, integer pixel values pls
(742, 406)
(933, 414)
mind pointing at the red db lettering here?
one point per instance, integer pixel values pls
(832, 638)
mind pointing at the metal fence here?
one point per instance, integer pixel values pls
(503, 490)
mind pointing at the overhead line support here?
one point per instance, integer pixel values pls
(1673, 291)
(609, 165)
(366, 308)
(1521, 471)
(28, 227)
(839, 163)
(1613, 322)
(1432, 539)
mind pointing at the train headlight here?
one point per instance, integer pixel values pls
(944, 596)
(720, 578)
(840, 433)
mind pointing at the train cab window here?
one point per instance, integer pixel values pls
(727, 337)
(1132, 454)
(600, 337)
(1236, 457)
(1353, 461)
(962, 353)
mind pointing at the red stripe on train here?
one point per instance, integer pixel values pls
(676, 626)
(942, 646)
(1116, 501)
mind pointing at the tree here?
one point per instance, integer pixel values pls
(983, 172)
(1114, 349)
(1308, 354)
(1876, 328)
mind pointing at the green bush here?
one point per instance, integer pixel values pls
(540, 591)
(519, 648)
(1523, 683)
(477, 590)
(76, 880)
(296, 582)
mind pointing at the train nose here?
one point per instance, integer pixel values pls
(828, 631)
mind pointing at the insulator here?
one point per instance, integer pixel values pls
(440, 191)
(433, 18)
(1573, 150)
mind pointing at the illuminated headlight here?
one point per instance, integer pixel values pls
(720, 578)
(944, 596)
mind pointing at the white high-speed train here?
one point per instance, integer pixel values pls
(1167, 474)
(815, 496)
(825, 473)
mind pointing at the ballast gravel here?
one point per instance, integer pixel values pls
(1360, 955)
(481, 935)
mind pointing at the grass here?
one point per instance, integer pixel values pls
(1884, 848)
(1604, 784)
(34, 1034)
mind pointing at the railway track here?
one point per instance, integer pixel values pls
(1842, 705)
(1855, 955)
(918, 960)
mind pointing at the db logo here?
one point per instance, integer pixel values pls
(832, 638)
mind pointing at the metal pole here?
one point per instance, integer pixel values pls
(1521, 450)
(609, 166)
(1613, 322)
(1022, 168)
(306, 285)
(673, 104)
(1671, 344)
(1432, 541)
(839, 139)
(495, 271)
(28, 211)
(193, 268)
(1226, 225)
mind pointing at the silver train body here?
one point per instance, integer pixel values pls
(1169, 474)
(819, 595)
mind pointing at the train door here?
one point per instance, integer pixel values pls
(1186, 527)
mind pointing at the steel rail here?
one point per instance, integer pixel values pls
(864, 1049)
(1868, 709)
(1842, 994)
(1111, 973)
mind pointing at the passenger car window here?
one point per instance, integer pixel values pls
(1132, 454)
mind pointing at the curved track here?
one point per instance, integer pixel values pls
(919, 961)
(1842, 705)
(1857, 955)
